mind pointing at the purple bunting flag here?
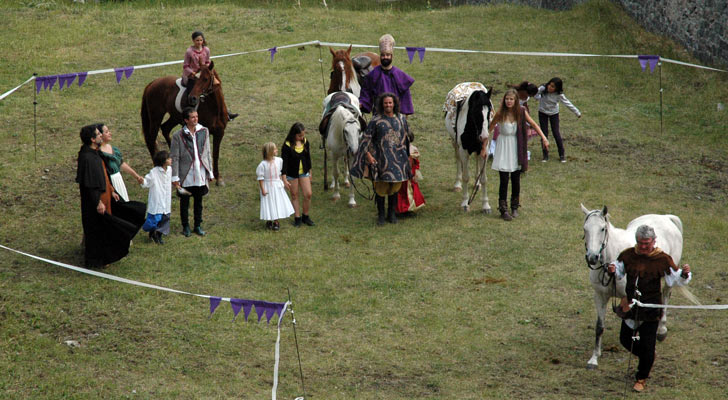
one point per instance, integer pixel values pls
(126, 71)
(411, 53)
(648, 59)
(273, 51)
(260, 308)
(65, 79)
(82, 78)
(247, 307)
(236, 305)
(39, 81)
(214, 302)
(421, 53)
(269, 313)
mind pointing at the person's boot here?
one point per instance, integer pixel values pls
(545, 155)
(159, 237)
(503, 208)
(198, 230)
(307, 220)
(391, 205)
(232, 116)
(515, 203)
(297, 222)
(186, 230)
(380, 209)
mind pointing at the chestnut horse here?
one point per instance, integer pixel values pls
(206, 94)
(346, 72)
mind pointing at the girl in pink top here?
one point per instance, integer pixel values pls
(196, 56)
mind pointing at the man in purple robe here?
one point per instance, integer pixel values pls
(387, 78)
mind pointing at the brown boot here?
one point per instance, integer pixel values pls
(503, 208)
(515, 203)
(639, 385)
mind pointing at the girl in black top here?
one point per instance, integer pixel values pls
(296, 171)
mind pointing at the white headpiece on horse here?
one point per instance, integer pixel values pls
(386, 43)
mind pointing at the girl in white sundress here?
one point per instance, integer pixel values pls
(511, 157)
(274, 202)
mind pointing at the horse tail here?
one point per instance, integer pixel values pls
(685, 292)
(676, 220)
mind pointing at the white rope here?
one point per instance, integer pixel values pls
(700, 307)
(9, 92)
(150, 286)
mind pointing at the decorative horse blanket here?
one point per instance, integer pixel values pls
(456, 96)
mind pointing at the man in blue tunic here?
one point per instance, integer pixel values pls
(386, 78)
(383, 155)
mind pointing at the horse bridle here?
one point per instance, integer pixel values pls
(605, 278)
(211, 89)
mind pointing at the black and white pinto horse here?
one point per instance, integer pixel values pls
(604, 243)
(343, 131)
(468, 111)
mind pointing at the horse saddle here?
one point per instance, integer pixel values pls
(362, 66)
(338, 99)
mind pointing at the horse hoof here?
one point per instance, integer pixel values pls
(457, 189)
(661, 336)
(219, 182)
(347, 184)
(352, 205)
(466, 208)
(487, 211)
(591, 367)
(335, 199)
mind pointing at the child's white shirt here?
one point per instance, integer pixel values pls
(159, 183)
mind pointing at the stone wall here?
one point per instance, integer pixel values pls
(699, 25)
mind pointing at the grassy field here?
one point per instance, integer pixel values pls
(446, 305)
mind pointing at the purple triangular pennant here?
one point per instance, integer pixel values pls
(119, 73)
(273, 51)
(65, 80)
(421, 53)
(247, 308)
(643, 63)
(39, 82)
(270, 312)
(50, 82)
(236, 304)
(214, 302)
(260, 308)
(82, 78)
(128, 71)
(411, 53)
(653, 63)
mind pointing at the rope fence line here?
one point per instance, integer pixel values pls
(273, 50)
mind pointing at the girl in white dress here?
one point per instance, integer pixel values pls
(274, 202)
(510, 157)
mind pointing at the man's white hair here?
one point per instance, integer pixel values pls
(645, 232)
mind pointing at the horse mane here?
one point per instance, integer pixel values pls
(470, 137)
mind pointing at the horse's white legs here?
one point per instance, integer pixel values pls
(352, 202)
(463, 166)
(484, 186)
(662, 326)
(335, 183)
(600, 301)
(459, 174)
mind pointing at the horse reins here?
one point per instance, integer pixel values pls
(604, 277)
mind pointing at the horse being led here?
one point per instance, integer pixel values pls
(346, 72)
(468, 111)
(206, 95)
(345, 125)
(604, 243)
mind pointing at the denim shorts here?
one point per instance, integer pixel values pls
(306, 175)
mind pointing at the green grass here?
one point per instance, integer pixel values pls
(447, 305)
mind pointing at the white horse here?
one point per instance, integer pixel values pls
(342, 140)
(604, 243)
(468, 111)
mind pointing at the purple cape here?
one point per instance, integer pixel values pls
(380, 81)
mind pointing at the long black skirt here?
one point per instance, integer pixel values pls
(108, 236)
